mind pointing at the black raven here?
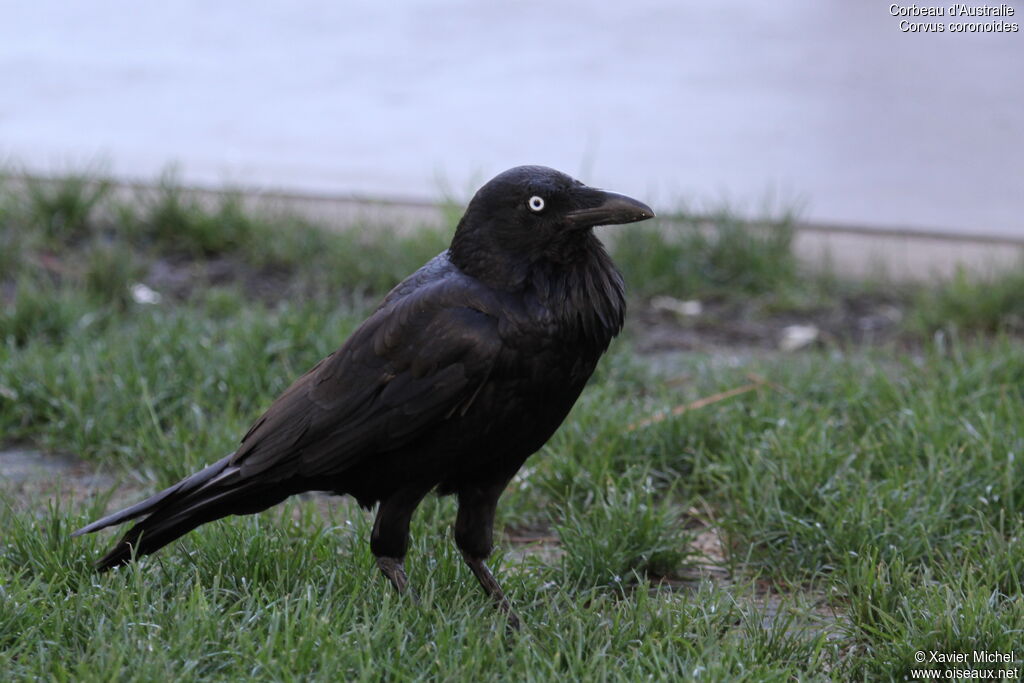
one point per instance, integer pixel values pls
(464, 370)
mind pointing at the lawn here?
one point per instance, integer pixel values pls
(734, 513)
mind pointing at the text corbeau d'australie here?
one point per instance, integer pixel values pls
(966, 18)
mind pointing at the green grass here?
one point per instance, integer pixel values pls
(64, 209)
(866, 501)
(971, 304)
(691, 256)
(76, 231)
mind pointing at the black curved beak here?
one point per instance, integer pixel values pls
(597, 207)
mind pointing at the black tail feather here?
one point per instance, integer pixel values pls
(173, 521)
(209, 494)
(184, 487)
(144, 538)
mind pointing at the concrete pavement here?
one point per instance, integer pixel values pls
(829, 105)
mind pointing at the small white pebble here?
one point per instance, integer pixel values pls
(798, 336)
(141, 294)
(677, 306)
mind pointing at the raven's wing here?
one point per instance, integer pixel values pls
(419, 359)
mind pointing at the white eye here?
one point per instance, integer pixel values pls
(536, 203)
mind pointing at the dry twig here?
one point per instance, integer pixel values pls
(699, 403)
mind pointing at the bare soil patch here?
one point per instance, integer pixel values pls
(850, 321)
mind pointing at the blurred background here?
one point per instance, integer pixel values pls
(826, 107)
(800, 459)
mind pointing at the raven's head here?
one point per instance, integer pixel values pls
(530, 213)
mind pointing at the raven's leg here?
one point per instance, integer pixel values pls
(474, 526)
(390, 538)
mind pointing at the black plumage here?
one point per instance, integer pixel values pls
(464, 370)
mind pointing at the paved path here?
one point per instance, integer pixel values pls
(825, 103)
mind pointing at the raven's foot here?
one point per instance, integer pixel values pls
(394, 569)
(493, 589)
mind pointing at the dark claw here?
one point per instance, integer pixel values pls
(394, 569)
(493, 589)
